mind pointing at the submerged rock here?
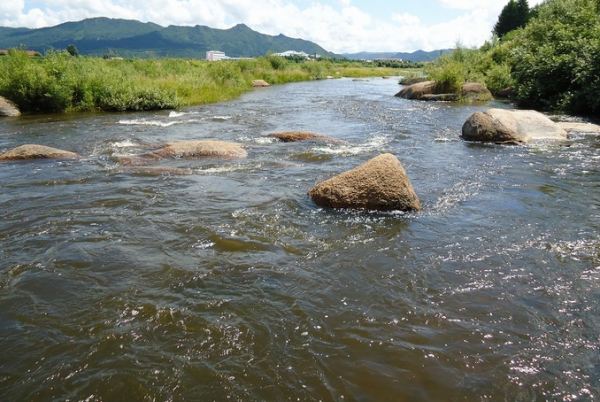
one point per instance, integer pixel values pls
(34, 151)
(202, 148)
(511, 127)
(294, 136)
(379, 184)
(8, 109)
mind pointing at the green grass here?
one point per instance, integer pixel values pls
(60, 82)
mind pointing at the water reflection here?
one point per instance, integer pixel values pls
(219, 279)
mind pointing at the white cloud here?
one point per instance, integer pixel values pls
(406, 19)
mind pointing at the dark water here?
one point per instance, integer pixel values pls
(220, 280)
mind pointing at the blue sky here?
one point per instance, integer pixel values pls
(340, 26)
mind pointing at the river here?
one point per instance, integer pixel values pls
(218, 279)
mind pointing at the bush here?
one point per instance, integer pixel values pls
(557, 57)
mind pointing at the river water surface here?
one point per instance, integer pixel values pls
(219, 279)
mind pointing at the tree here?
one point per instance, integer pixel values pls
(557, 57)
(72, 50)
(514, 15)
(524, 13)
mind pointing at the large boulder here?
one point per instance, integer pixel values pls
(510, 127)
(294, 136)
(426, 90)
(33, 151)
(8, 109)
(476, 92)
(202, 148)
(416, 91)
(379, 184)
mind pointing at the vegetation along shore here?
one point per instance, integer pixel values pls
(546, 57)
(63, 82)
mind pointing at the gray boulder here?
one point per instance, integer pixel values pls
(34, 151)
(8, 109)
(379, 184)
(511, 127)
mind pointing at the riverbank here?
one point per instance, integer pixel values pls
(60, 82)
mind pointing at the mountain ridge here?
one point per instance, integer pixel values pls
(416, 56)
(131, 38)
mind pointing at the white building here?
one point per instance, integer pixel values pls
(290, 53)
(214, 55)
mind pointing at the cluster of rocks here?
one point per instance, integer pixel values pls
(426, 90)
(379, 184)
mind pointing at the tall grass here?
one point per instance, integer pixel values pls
(60, 82)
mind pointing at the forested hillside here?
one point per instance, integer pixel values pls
(127, 38)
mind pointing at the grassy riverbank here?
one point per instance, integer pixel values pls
(60, 82)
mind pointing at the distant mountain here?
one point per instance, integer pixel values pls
(128, 38)
(417, 56)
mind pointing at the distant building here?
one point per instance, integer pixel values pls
(292, 53)
(389, 59)
(214, 55)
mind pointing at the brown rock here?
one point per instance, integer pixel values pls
(510, 127)
(379, 184)
(416, 91)
(426, 90)
(8, 109)
(202, 148)
(293, 136)
(33, 151)
(260, 83)
(476, 92)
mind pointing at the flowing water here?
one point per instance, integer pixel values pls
(219, 279)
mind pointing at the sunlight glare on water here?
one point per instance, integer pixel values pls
(190, 279)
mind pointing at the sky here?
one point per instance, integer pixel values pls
(339, 26)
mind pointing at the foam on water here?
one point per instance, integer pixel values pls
(145, 122)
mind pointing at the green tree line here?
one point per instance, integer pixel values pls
(550, 59)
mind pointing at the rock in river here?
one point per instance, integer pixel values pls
(202, 148)
(260, 83)
(293, 136)
(379, 184)
(580, 128)
(34, 151)
(426, 90)
(511, 127)
(8, 109)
